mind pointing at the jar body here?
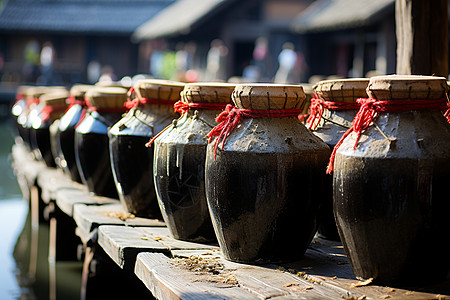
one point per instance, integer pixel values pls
(331, 127)
(132, 161)
(179, 175)
(66, 141)
(92, 153)
(264, 190)
(41, 140)
(390, 198)
(17, 109)
(54, 136)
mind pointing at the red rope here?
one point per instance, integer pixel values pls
(182, 108)
(318, 105)
(371, 108)
(447, 113)
(138, 101)
(230, 118)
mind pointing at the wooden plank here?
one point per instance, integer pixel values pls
(24, 165)
(167, 281)
(123, 244)
(67, 198)
(326, 264)
(163, 236)
(422, 37)
(52, 180)
(268, 281)
(90, 217)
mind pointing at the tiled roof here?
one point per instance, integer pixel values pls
(328, 15)
(177, 19)
(119, 17)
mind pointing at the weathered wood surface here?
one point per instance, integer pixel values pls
(422, 37)
(123, 243)
(67, 198)
(323, 273)
(26, 168)
(53, 180)
(89, 217)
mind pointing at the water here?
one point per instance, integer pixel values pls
(24, 271)
(13, 212)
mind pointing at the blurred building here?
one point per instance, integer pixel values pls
(349, 38)
(217, 39)
(82, 33)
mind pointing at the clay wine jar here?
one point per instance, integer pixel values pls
(264, 188)
(179, 164)
(151, 111)
(105, 108)
(337, 98)
(52, 105)
(390, 190)
(65, 134)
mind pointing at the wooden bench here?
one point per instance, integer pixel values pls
(119, 247)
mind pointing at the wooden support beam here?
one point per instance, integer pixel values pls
(422, 37)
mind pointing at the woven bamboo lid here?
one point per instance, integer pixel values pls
(266, 96)
(79, 90)
(55, 99)
(342, 90)
(107, 97)
(34, 93)
(404, 87)
(207, 92)
(158, 89)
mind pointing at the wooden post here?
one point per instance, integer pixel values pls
(422, 37)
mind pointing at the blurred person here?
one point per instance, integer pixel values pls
(286, 60)
(47, 58)
(215, 61)
(107, 74)
(94, 71)
(31, 61)
(260, 54)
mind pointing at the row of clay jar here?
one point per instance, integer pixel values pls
(234, 164)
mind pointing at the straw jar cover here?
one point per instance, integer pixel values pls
(55, 99)
(207, 92)
(79, 90)
(107, 97)
(268, 96)
(342, 90)
(404, 87)
(158, 89)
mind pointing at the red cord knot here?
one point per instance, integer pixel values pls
(183, 108)
(318, 105)
(447, 112)
(230, 118)
(74, 101)
(371, 108)
(138, 101)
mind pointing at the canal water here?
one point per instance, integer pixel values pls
(24, 266)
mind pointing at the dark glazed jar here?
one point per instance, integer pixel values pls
(179, 166)
(29, 113)
(390, 185)
(264, 181)
(17, 109)
(332, 112)
(151, 111)
(65, 134)
(105, 108)
(53, 107)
